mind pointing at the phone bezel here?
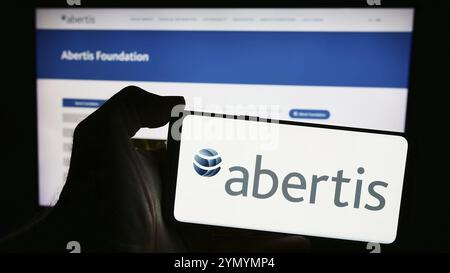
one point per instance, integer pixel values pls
(173, 149)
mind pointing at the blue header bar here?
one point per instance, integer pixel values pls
(363, 59)
(82, 103)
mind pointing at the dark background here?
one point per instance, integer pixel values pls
(425, 213)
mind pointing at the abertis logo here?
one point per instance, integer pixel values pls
(206, 162)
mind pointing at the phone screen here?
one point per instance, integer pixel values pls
(288, 177)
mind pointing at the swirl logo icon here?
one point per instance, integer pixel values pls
(206, 162)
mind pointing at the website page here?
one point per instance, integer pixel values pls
(346, 67)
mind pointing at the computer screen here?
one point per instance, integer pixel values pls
(339, 66)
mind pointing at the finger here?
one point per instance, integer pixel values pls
(275, 244)
(286, 244)
(131, 109)
(218, 239)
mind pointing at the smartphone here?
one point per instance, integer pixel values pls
(286, 177)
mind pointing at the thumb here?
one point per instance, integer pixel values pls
(133, 108)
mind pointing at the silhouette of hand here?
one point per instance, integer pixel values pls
(113, 197)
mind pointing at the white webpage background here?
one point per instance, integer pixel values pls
(241, 19)
(373, 108)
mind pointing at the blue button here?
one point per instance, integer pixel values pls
(84, 103)
(309, 114)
